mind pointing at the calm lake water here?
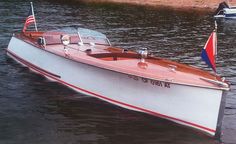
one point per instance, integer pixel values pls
(34, 110)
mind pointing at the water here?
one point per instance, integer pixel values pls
(35, 110)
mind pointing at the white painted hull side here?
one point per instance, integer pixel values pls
(230, 10)
(192, 106)
(228, 13)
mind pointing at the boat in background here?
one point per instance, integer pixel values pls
(225, 11)
(85, 61)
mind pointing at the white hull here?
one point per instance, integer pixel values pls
(229, 13)
(188, 105)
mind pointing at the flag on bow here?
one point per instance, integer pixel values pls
(209, 51)
(30, 19)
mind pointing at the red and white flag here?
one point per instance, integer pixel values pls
(30, 19)
(209, 51)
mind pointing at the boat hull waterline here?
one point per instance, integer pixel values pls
(192, 106)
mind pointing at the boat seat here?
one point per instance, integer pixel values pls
(52, 39)
(56, 39)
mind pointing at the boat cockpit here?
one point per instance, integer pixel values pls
(94, 43)
(80, 36)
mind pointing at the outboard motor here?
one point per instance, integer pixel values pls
(220, 8)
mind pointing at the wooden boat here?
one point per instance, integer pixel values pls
(137, 81)
(85, 61)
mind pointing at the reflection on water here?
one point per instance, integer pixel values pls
(34, 110)
(229, 26)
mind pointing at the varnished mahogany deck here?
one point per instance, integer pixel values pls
(115, 59)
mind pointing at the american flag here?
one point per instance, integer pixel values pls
(29, 20)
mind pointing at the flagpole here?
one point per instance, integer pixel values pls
(32, 8)
(215, 43)
(216, 37)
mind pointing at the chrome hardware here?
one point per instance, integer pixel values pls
(124, 50)
(216, 82)
(143, 53)
(88, 51)
(223, 79)
(108, 42)
(80, 43)
(172, 68)
(81, 40)
(41, 41)
(92, 44)
(66, 51)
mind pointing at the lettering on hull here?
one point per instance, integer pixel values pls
(152, 82)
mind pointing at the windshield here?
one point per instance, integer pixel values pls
(77, 35)
(90, 33)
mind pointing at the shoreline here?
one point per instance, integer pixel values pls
(208, 5)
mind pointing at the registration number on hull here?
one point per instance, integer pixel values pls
(153, 82)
